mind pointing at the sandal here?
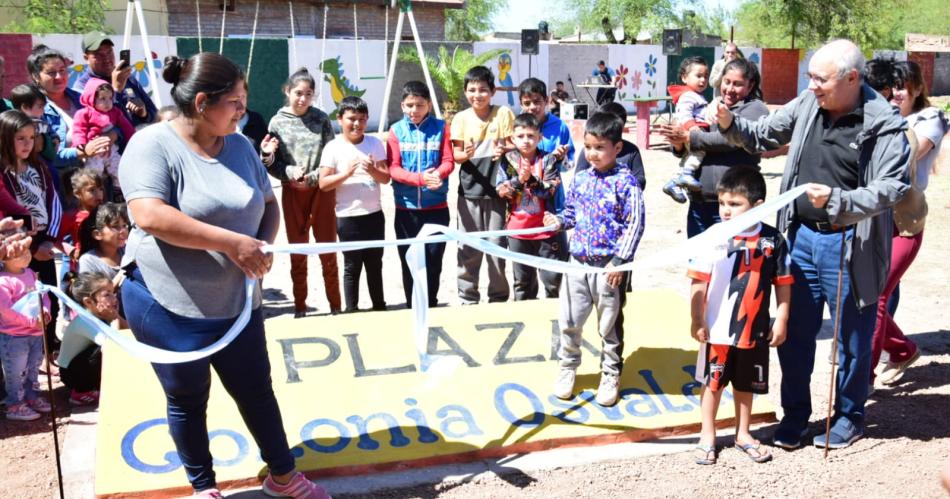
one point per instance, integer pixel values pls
(752, 450)
(707, 450)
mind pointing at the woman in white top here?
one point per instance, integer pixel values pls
(929, 125)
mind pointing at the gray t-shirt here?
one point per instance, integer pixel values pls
(92, 262)
(228, 191)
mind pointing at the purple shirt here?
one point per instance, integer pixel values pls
(607, 213)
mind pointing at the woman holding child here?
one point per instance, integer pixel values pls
(741, 91)
(202, 208)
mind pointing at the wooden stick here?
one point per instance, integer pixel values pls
(52, 399)
(834, 345)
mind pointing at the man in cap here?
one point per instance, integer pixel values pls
(130, 97)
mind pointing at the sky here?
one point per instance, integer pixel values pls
(525, 14)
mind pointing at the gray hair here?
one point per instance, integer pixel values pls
(846, 56)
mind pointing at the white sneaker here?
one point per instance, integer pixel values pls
(564, 385)
(607, 391)
(894, 371)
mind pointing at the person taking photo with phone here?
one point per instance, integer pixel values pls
(130, 97)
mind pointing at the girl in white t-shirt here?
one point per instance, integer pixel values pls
(354, 164)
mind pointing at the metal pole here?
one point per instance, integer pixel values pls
(52, 400)
(425, 66)
(128, 25)
(834, 344)
(149, 61)
(384, 111)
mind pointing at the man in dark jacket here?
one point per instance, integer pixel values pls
(848, 144)
(130, 97)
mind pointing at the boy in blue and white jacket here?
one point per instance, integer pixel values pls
(420, 161)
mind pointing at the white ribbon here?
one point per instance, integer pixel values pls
(415, 259)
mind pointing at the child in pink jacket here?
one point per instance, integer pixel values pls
(97, 117)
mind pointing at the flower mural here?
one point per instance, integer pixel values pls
(140, 71)
(650, 65)
(636, 80)
(620, 80)
(754, 57)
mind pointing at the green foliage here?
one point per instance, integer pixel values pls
(872, 24)
(60, 16)
(607, 15)
(469, 23)
(448, 70)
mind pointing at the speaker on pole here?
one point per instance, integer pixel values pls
(529, 41)
(672, 42)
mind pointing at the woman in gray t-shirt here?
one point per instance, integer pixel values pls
(202, 207)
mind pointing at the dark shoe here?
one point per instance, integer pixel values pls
(300, 314)
(688, 182)
(788, 437)
(379, 308)
(674, 191)
(843, 434)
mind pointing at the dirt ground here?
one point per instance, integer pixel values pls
(908, 437)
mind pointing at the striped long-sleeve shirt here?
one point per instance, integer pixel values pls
(607, 213)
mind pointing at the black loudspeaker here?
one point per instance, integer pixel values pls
(672, 42)
(529, 41)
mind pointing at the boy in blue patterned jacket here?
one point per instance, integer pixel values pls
(605, 209)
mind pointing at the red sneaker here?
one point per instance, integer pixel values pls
(298, 488)
(83, 398)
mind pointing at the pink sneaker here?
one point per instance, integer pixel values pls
(209, 494)
(298, 488)
(83, 398)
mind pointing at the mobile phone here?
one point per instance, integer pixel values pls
(27, 222)
(126, 57)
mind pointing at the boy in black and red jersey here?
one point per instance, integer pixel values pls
(730, 313)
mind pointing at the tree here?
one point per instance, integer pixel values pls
(448, 71)
(608, 15)
(809, 23)
(474, 20)
(60, 16)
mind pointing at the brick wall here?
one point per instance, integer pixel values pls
(15, 49)
(926, 61)
(779, 75)
(274, 19)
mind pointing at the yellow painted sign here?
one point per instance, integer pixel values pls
(355, 399)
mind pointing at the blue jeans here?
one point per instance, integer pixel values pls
(701, 216)
(242, 367)
(815, 257)
(21, 357)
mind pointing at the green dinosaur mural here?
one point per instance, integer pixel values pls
(340, 85)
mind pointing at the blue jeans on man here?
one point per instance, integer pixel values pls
(701, 216)
(815, 263)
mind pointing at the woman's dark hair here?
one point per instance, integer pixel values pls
(38, 58)
(750, 73)
(11, 122)
(85, 285)
(206, 73)
(909, 73)
(25, 95)
(106, 215)
(352, 104)
(301, 75)
(415, 88)
(688, 64)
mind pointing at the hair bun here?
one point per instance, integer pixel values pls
(173, 67)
